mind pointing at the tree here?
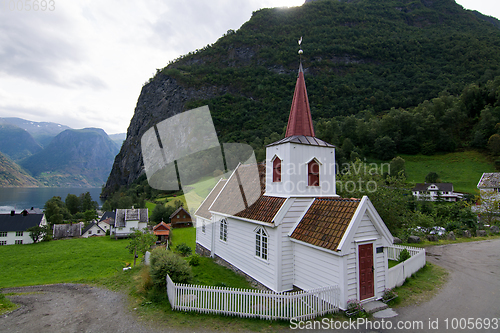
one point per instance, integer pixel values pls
(162, 213)
(36, 232)
(385, 148)
(432, 177)
(86, 202)
(72, 203)
(397, 166)
(494, 144)
(141, 241)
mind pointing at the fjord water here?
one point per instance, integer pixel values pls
(19, 198)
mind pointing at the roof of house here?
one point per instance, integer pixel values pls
(489, 180)
(67, 230)
(178, 210)
(243, 195)
(300, 121)
(19, 222)
(108, 216)
(448, 187)
(87, 228)
(123, 215)
(202, 211)
(326, 221)
(162, 229)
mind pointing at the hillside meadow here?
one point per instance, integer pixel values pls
(69, 260)
(463, 169)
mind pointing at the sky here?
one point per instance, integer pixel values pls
(82, 63)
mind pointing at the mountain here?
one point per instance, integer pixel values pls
(74, 158)
(359, 56)
(42, 132)
(118, 138)
(16, 142)
(12, 175)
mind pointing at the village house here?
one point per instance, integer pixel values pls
(162, 232)
(181, 218)
(107, 220)
(67, 230)
(436, 192)
(13, 227)
(129, 220)
(282, 224)
(489, 192)
(94, 229)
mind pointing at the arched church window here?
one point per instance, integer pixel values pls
(313, 173)
(277, 170)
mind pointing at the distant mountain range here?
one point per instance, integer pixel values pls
(50, 154)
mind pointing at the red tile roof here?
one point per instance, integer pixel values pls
(162, 228)
(326, 221)
(300, 121)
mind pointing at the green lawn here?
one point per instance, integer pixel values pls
(183, 235)
(71, 260)
(463, 169)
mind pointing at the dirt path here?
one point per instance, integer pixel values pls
(70, 308)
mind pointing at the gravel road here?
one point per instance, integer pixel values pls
(70, 308)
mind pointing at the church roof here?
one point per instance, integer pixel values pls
(489, 180)
(304, 140)
(243, 195)
(300, 121)
(326, 221)
(205, 205)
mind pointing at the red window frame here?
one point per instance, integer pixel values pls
(277, 170)
(313, 173)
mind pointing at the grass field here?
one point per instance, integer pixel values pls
(463, 169)
(71, 260)
(183, 235)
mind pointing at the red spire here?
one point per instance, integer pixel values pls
(300, 121)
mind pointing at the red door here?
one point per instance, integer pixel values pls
(365, 271)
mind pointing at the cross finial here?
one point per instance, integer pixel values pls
(300, 50)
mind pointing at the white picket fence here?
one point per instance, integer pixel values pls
(398, 274)
(300, 305)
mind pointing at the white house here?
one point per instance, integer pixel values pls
(436, 191)
(283, 225)
(94, 229)
(13, 227)
(129, 220)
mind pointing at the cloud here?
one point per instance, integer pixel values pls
(40, 47)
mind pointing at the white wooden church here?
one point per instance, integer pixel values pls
(297, 233)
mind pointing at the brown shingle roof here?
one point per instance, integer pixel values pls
(243, 195)
(178, 210)
(325, 222)
(162, 228)
(203, 209)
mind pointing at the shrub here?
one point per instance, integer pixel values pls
(194, 260)
(404, 255)
(183, 249)
(163, 262)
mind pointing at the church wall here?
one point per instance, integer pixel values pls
(204, 238)
(315, 268)
(239, 250)
(294, 170)
(292, 216)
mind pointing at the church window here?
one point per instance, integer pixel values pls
(223, 230)
(277, 170)
(203, 228)
(313, 173)
(261, 243)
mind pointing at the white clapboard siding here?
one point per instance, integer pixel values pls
(204, 238)
(253, 303)
(315, 268)
(239, 250)
(397, 275)
(292, 216)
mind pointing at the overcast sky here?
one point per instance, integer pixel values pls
(82, 63)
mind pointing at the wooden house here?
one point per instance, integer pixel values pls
(283, 225)
(162, 232)
(181, 218)
(94, 229)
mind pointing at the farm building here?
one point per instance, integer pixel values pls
(181, 218)
(13, 227)
(94, 229)
(68, 230)
(162, 232)
(283, 225)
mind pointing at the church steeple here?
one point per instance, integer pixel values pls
(300, 121)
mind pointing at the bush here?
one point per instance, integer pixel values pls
(107, 232)
(194, 260)
(163, 262)
(404, 255)
(183, 249)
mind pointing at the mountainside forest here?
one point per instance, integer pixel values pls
(383, 77)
